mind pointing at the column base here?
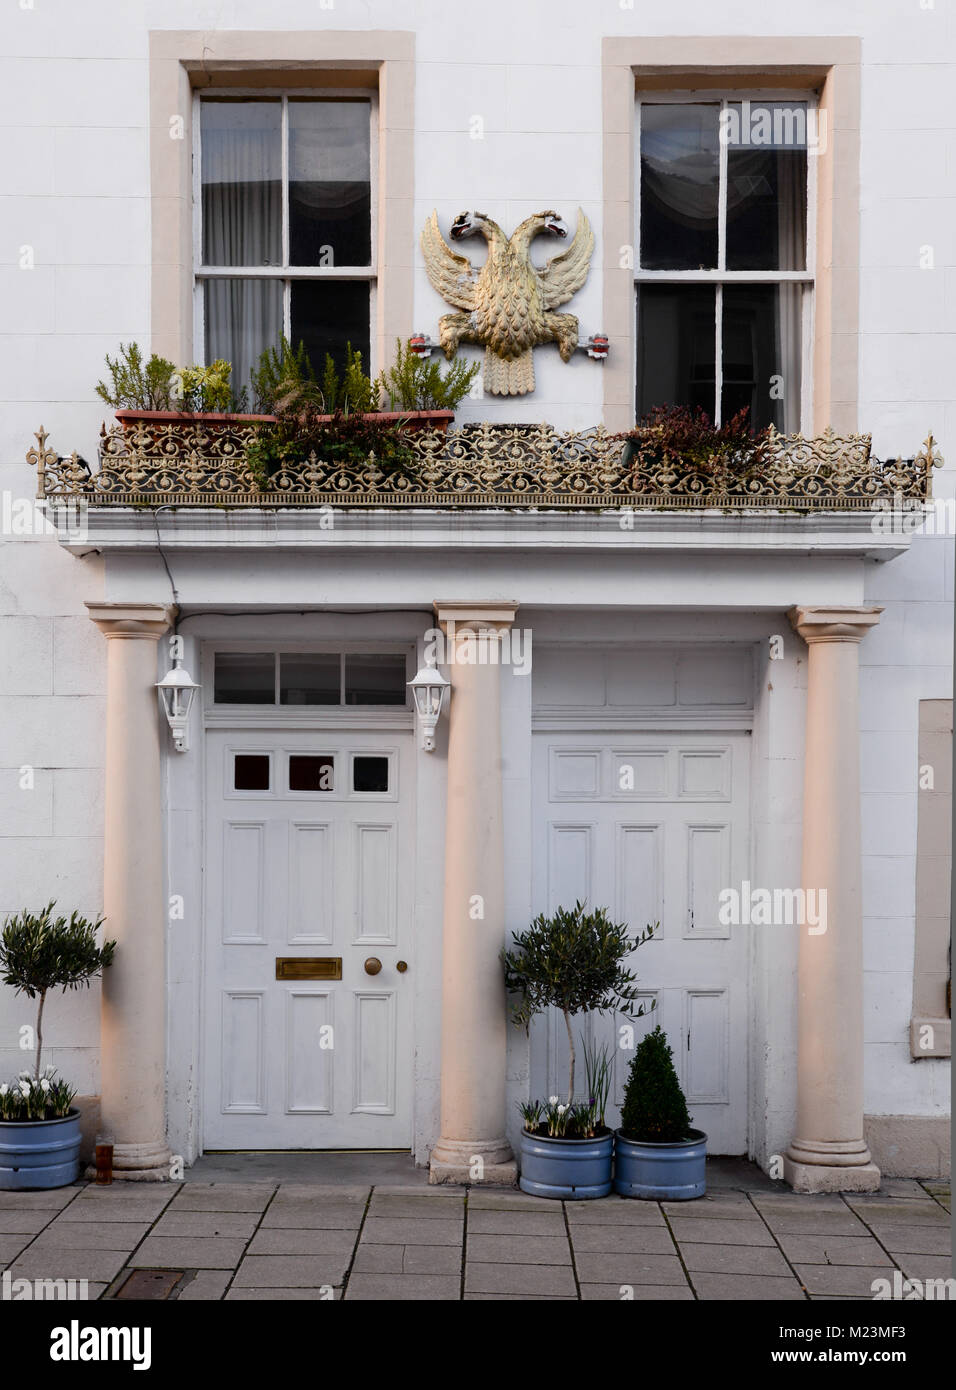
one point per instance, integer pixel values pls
(149, 1162)
(830, 1166)
(482, 1162)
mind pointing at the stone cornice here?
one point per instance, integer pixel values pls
(833, 624)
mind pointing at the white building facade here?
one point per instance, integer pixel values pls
(699, 709)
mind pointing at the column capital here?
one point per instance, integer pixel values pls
(833, 624)
(498, 614)
(133, 620)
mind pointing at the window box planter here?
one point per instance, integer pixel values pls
(39, 1153)
(219, 420)
(573, 1169)
(669, 1172)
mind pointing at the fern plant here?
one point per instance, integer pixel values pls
(418, 383)
(654, 1109)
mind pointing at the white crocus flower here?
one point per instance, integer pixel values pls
(44, 1085)
(552, 1100)
(561, 1109)
(4, 1089)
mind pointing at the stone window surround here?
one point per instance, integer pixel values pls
(831, 67)
(183, 61)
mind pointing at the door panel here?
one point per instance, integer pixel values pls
(308, 855)
(652, 828)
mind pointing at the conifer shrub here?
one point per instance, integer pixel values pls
(654, 1109)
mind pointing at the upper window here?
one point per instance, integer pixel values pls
(285, 235)
(723, 261)
(310, 678)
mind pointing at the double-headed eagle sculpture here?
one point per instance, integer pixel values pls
(506, 305)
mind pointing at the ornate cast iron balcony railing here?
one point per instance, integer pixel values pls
(194, 463)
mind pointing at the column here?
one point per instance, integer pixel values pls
(472, 1146)
(133, 1019)
(828, 1153)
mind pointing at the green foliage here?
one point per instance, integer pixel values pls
(573, 961)
(278, 370)
(418, 383)
(205, 388)
(40, 952)
(597, 1078)
(687, 438)
(654, 1109)
(36, 1098)
(134, 385)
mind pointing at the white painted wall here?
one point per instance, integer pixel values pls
(74, 190)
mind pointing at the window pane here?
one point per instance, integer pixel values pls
(766, 186)
(370, 775)
(761, 354)
(329, 315)
(330, 195)
(251, 772)
(308, 773)
(245, 678)
(676, 346)
(375, 680)
(679, 184)
(243, 317)
(310, 679)
(241, 182)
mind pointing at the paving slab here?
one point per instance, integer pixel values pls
(548, 1280)
(206, 1223)
(75, 1263)
(917, 1240)
(404, 1287)
(27, 1222)
(290, 1271)
(824, 1223)
(188, 1252)
(282, 1240)
(297, 1194)
(196, 1196)
(519, 1298)
(11, 1245)
(386, 1259)
(902, 1187)
(712, 1229)
(832, 1250)
(528, 1250)
(316, 1216)
(384, 1230)
(101, 1212)
(842, 1279)
(637, 1293)
(208, 1285)
(727, 1205)
(611, 1213)
(325, 1293)
(734, 1259)
(417, 1208)
(630, 1239)
(926, 1266)
(42, 1199)
(518, 1223)
(906, 1213)
(746, 1287)
(507, 1199)
(629, 1269)
(83, 1235)
(431, 1259)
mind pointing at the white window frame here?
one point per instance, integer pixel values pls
(284, 272)
(720, 276)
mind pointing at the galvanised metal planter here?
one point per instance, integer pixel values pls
(672, 1172)
(572, 1169)
(39, 1153)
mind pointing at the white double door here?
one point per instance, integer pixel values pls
(308, 873)
(653, 827)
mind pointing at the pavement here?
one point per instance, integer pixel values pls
(288, 1238)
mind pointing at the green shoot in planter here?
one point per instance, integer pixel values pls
(39, 953)
(573, 961)
(597, 1072)
(418, 383)
(654, 1109)
(134, 385)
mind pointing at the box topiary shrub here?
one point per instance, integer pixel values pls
(654, 1109)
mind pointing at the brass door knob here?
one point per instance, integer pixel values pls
(373, 965)
(402, 966)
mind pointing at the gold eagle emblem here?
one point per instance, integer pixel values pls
(506, 305)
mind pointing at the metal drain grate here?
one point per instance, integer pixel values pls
(150, 1283)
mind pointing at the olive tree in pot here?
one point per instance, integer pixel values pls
(657, 1153)
(39, 1126)
(573, 961)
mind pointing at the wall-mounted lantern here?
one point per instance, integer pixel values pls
(429, 688)
(177, 691)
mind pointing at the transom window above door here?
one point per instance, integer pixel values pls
(285, 233)
(310, 678)
(723, 258)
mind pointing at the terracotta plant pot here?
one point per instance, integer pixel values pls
(217, 419)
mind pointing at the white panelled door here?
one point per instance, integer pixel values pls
(652, 827)
(308, 858)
